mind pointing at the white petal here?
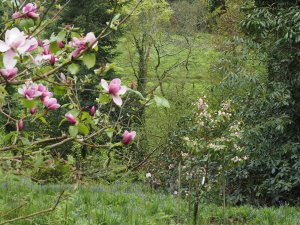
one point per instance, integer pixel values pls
(8, 59)
(23, 48)
(117, 99)
(123, 90)
(3, 46)
(104, 84)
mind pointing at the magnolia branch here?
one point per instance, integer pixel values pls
(60, 141)
(98, 38)
(32, 144)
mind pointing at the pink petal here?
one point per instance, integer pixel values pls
(16, 15)
(32, 15)
(76, 53)
(116, 81)
(117, 99)
(90, 38)
(54, 106)
(33, 44)
(104, 84)
(23, 48)
(122, 90)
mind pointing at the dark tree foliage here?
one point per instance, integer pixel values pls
(215, 4)
(271, 113)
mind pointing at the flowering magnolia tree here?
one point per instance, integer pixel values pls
(39, 77)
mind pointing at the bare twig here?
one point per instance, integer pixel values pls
(12, 210)
(52, 19)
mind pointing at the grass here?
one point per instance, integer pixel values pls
(120, 203)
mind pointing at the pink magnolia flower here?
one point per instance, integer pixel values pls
(128, 137)
(46, 54)
(9, 74)
(51, 103)
(91, 39)
(171, 166)
(45, 92)
(32, 110)
(80, 44)
(20, 125)
(30, 10)
(15, 42)
(114, 89)
(30, 90)
(92, 111)
(70, 118)
(16, 15)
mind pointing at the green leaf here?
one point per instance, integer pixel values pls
(61, 35)
(104, 99)
(73, 131)
(74, 112)
(160, 101)
(89, 60)
(28, 103)
(24, 141)
(8, 136)
(74, 68)
(74, 34)
(83, 129)
(86, 116)
(54, 48)
(110, 132)
(43, 120)
(59, 90)
(26, 23)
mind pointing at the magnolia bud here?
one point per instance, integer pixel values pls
(70, 118)
(128, 137)
(60, 44)
(92, 111)
(20, 125)
(52, 60)
(132, 84)
(33, 110)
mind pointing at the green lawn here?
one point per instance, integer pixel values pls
(120, 204)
